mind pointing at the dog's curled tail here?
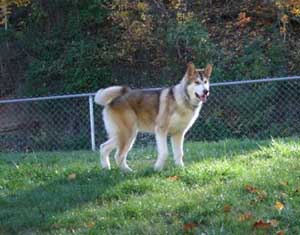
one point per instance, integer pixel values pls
(105, 96)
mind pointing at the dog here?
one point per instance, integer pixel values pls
(162, 111)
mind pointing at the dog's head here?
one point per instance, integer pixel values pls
(197, 82)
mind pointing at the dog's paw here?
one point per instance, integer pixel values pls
(125, 168)
(105, 167)
(105, 164)
(179, 164)
(158, 166)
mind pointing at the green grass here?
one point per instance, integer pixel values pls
(67, 193)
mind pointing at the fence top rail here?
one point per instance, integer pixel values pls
(46, 98)
(7, 101)
(255, 81)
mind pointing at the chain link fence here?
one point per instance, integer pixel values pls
(257, 109)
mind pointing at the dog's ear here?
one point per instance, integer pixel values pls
(191, 69)
(208, 70)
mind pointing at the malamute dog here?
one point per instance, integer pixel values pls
(164, 111)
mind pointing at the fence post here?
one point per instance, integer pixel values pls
(92, 122)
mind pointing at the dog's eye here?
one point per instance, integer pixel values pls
(205, 81)
(197, 82)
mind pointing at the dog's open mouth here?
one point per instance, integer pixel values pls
(202, 98)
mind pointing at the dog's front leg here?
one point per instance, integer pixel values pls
(177, 145)
(162, 148)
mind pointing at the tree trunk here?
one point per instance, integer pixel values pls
(5, 22)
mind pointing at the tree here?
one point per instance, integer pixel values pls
(287, 10)
(6, 9)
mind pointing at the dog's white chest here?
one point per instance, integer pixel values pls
(182, 121)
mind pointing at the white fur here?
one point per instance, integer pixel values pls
(177, 145)
(105, 150)
(107, 147)
(180, 122)
(162, 148)
(199, 89)
(161, 138)
(123, 164)
(183, 118)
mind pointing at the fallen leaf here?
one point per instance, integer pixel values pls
(72, 176)
(175, 177)
(242, 15)
(279, 206)
(284, 183)
(253, 34)
(281, 232)
(283, 194)
(189, 226)
(250, 188)
(260, 224)
(227, 208)
(90, 225)
(253, 202)
(55, 226)
(15, 164)
(242, 20)
(274, 223)
(284, 19)
(245, 216)
(262, 195)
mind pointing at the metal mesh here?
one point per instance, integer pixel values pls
(254, 110)
(258, 110)
(45, 125)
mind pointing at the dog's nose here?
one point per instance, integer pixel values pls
(205, 92)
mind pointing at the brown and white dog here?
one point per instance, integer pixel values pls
(163, 111)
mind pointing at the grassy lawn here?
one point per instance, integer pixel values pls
(227, 187)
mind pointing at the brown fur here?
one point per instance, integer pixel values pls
(143, 106)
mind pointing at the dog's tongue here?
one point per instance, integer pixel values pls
(203, 98)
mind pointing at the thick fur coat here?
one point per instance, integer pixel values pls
(163, 111)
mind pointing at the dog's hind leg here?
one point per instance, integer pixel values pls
(120, 124)
(105, 150)
(177, 146)
(125, 143)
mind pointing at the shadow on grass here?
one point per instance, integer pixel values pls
(37, 208)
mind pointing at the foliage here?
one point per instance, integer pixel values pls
(78, 68)
(70, 60)
(76, 46)
(288, 10)
(261, 61)
(6, 8)
(189, 41)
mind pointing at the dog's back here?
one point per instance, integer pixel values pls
(141, 106)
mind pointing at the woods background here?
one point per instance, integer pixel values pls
(73, 46)
(58, 47)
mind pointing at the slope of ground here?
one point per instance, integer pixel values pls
(228, 187)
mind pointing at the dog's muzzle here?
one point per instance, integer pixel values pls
(203, 97)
